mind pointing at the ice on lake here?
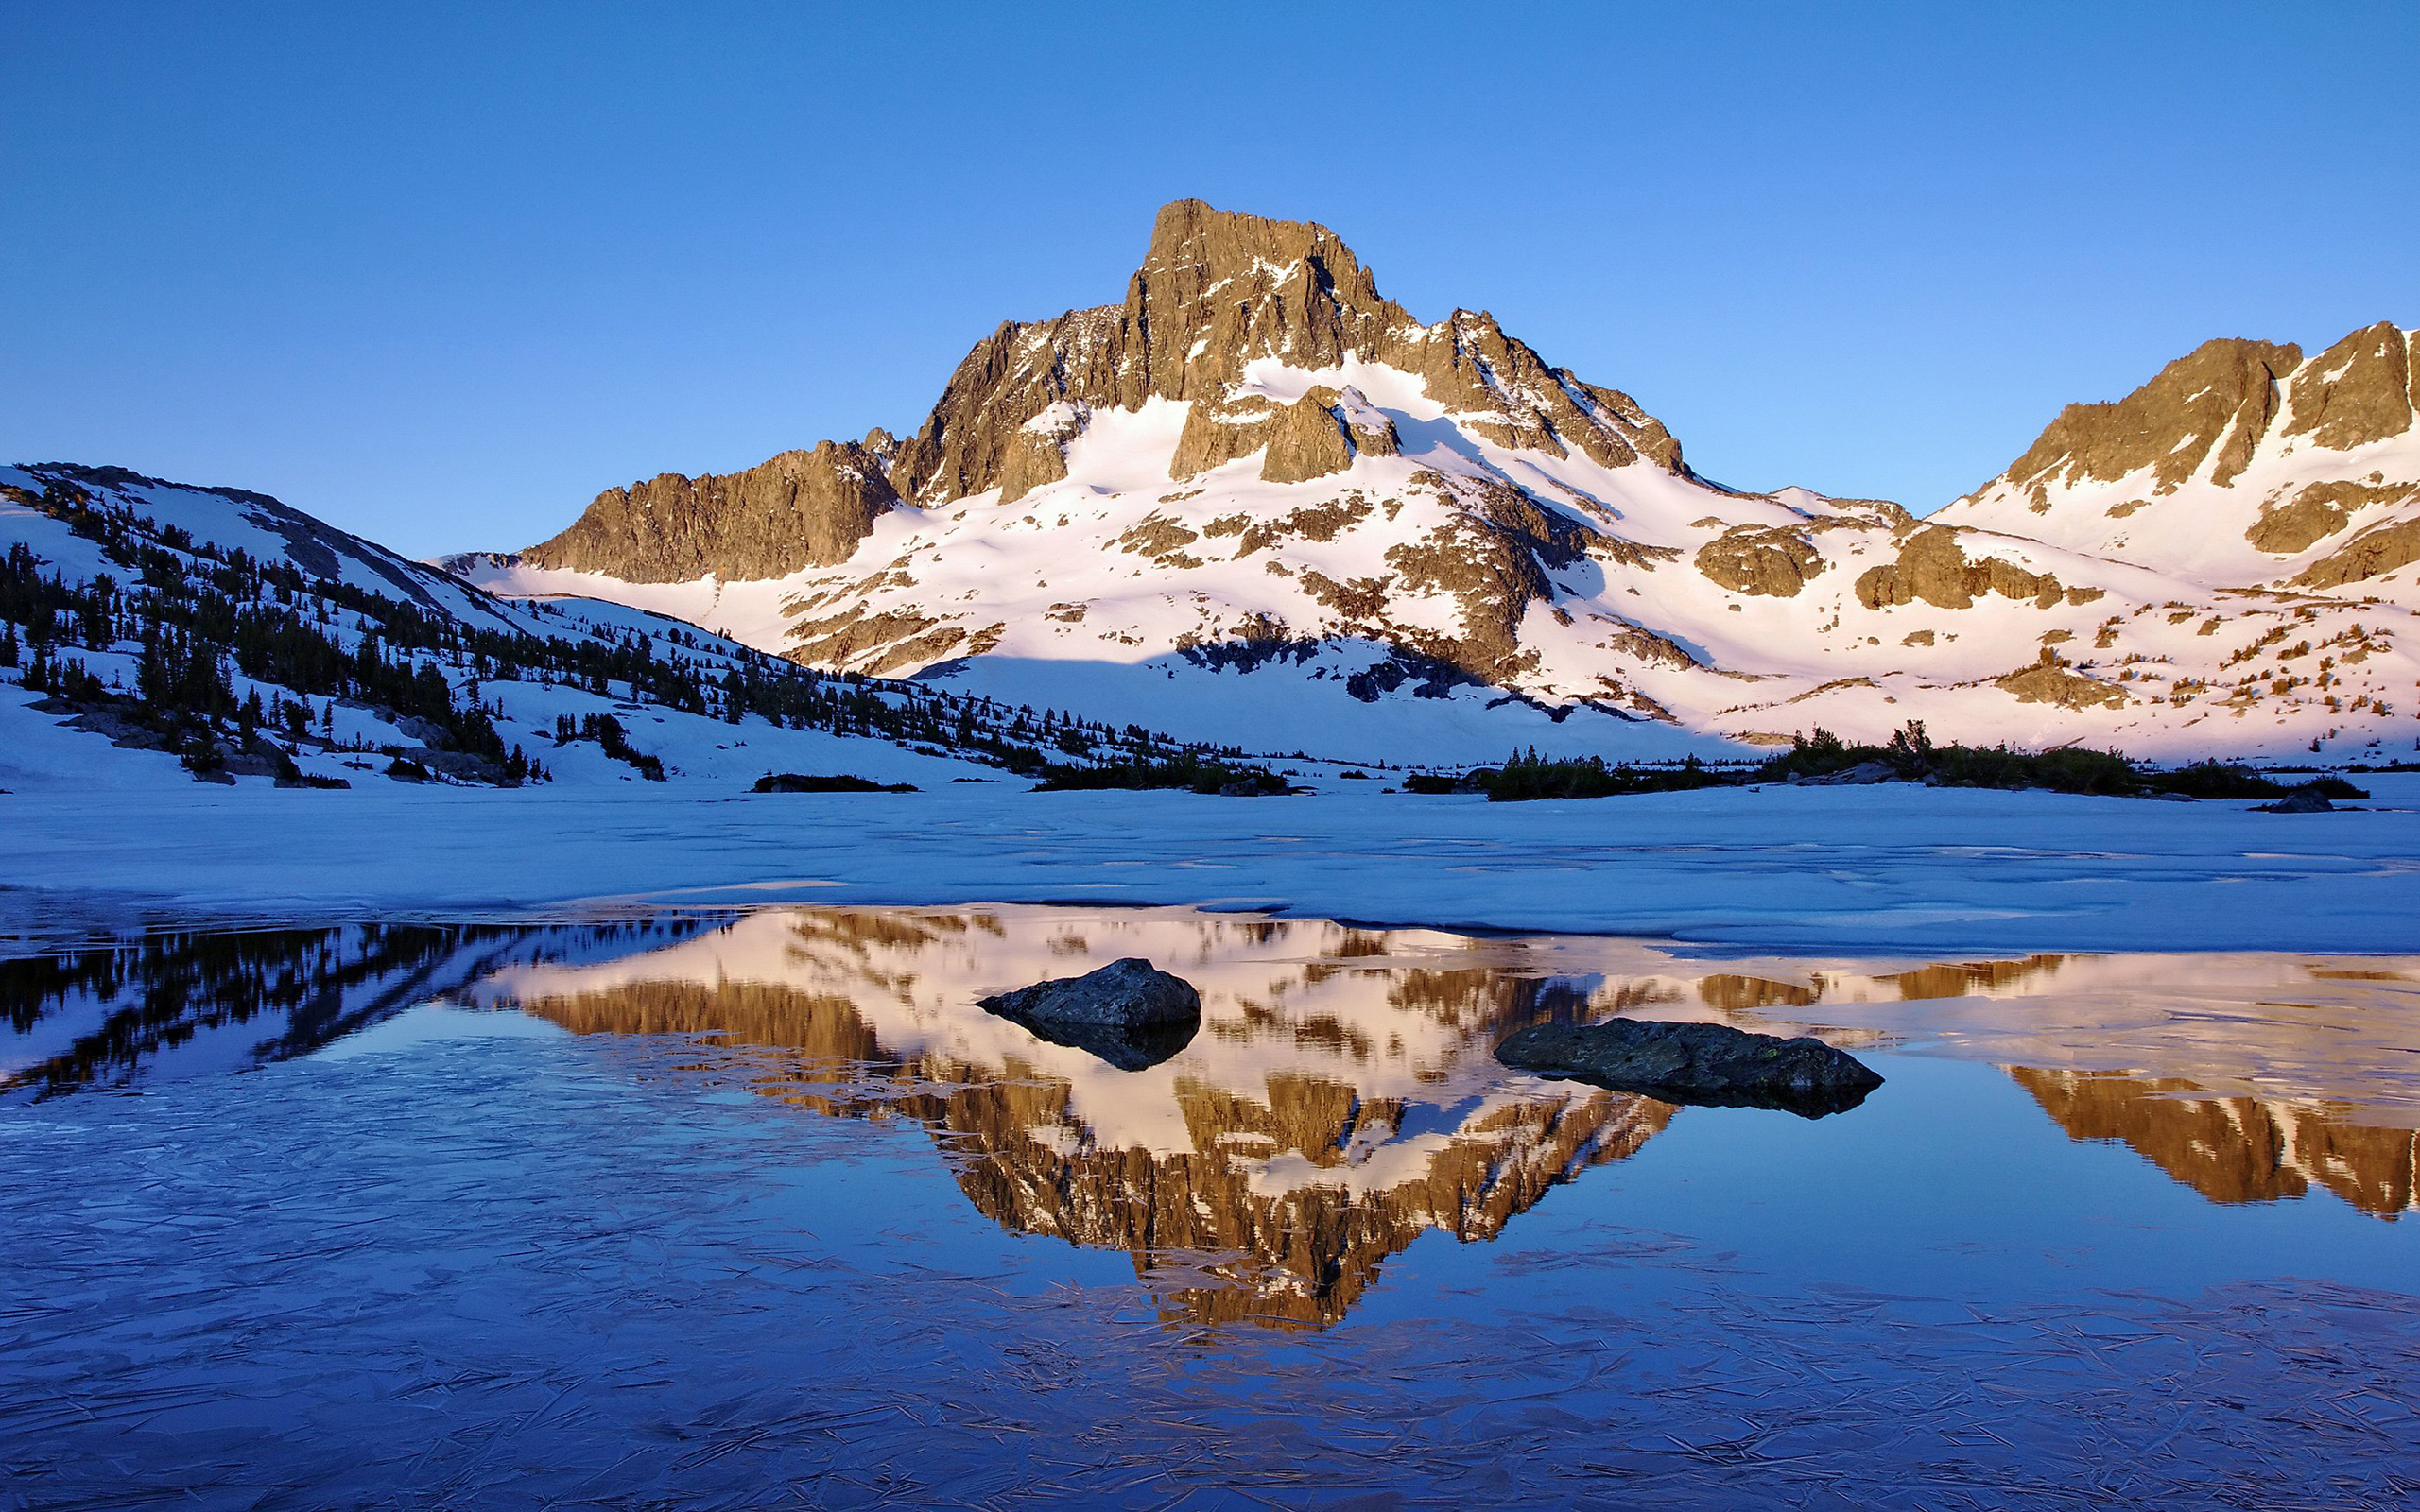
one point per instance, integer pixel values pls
(757, 1208)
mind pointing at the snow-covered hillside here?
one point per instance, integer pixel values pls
(1259, 503)
(151, 633)
(2240, 465)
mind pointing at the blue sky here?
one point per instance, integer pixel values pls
(440, 275)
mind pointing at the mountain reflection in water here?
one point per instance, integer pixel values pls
(1341, 1096)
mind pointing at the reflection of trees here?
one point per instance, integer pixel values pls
(142, 1006)
(1960, 979)
(1209, 1228)
(1731, 991)
(2233, 1149)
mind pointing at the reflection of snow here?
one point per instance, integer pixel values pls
(1406, 1019)
(1332, 1002)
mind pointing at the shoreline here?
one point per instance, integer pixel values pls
(1773, 869)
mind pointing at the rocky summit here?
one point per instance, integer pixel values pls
(1259, 502)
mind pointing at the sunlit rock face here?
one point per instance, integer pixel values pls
(2240, 464)
(1257, 466)
(798, 509)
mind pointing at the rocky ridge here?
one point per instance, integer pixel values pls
(2240, 465)
(799, 510)
(1423, 539)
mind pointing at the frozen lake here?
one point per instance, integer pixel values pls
(757, 1208)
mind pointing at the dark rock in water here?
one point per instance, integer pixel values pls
(1708, 1064)
(1129, 1013)
(1130, 993)
(2305, 800)
(1128, 1049)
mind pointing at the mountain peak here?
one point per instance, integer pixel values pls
(1221, 288)
(1196, 248)
(2246, 461)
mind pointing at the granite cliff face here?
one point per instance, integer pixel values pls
(2241, 465)
(800, 509)
(1423, 539)
(1218, 292)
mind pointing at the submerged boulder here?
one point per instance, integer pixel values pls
(1129, 1013)
(1709, 1064)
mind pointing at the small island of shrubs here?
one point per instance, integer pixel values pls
(1825, 759)
(1184, 770)
(843, 783)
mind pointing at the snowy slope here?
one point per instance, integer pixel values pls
(1309, 521)
(177, 546)
(2305, 475)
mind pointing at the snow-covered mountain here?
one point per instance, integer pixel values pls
(2241, 465)
(217, 633)
(1259, 502)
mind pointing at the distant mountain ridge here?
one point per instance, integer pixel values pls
(2241, 464)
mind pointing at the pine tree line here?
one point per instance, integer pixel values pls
(194, 615)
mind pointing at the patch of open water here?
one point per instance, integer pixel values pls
(758, 1208)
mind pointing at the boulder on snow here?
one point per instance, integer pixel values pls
(1704, 1063)
(2305, 800)
(1863, 774)
(1129, 1013)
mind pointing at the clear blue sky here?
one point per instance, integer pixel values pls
(440, 275)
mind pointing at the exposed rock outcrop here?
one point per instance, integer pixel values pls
(1307, 440)
(2221, 396)
(1218, 290)
(1037, 453)
(2236, 439)
(1130, 993)
(1768, 560)
(800, 509)
(2050, 681)
(2356, 391)
(882, 643)
(1315, 437)
(2302, 519)
(2374, 553)
(1932, 567)
(2305, 800)
(1491, 558)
